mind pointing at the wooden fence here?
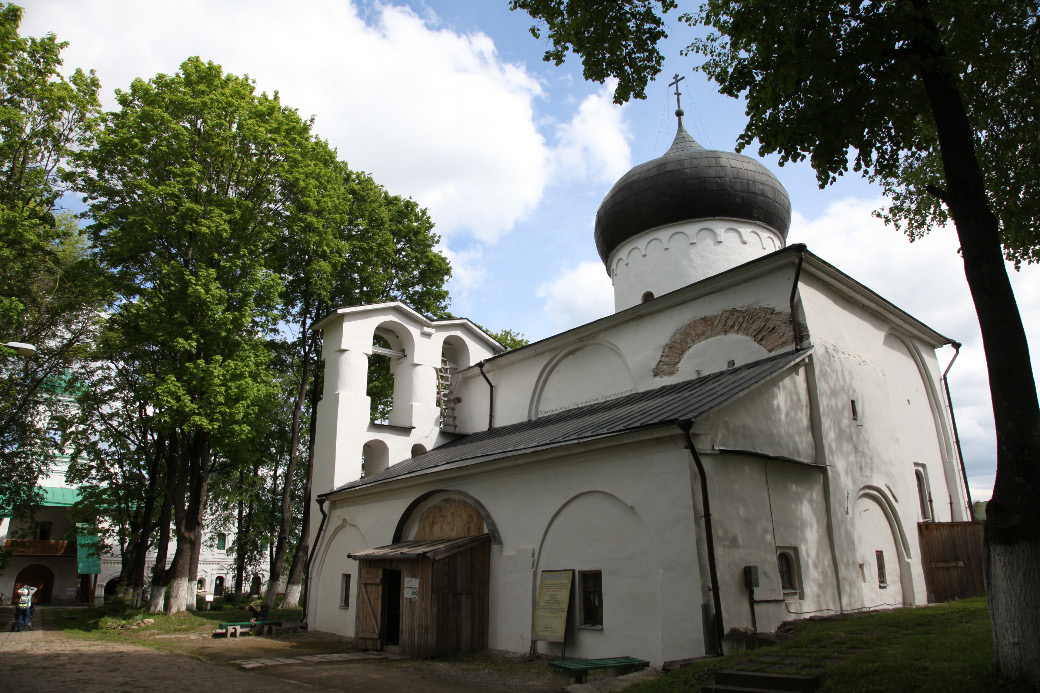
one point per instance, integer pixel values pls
(953, 557)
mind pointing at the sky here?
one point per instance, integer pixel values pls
(450, 103)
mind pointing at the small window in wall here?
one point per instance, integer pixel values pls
(924, 496)
(788, 567)
(882, 579)
(344, 591)
(648, 296)
(201, 584)
(221, 541)
(43, 531)
(591, 583)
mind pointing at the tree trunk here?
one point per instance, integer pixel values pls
(278, 562)
(193, 571)
(1013, 515)
(179, 574)
(160, 575)
(188, 520)
(293, 587)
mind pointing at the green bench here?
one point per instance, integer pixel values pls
(232, 629)
(568, 671)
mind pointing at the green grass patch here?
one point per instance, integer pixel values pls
(946, 647)
(120, 622)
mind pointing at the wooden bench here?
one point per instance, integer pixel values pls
(569, 671)
(232, 629)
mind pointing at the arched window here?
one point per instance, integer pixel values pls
(790, 571)
(418, 449)
(648, 296)
(785, 564)
(218, 586)
(380, 380)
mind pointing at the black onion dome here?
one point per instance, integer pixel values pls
(690, 182)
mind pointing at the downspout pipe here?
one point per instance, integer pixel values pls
(956, 435)
(491, 395)
(310, 559)
(686, 425)
(794, 292)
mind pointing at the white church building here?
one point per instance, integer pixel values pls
(752, 437)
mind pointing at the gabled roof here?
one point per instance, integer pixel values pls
(662, 406)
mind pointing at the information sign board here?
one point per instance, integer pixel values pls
(550, 611)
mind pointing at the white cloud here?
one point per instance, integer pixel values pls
(926, 279)
(467, 274)
(593, 145)
(577, 296)
(430, 113)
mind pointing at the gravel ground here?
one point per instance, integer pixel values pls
(49, 660)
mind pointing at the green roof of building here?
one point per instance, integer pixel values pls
(54, 496)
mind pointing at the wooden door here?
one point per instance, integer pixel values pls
(370, 608)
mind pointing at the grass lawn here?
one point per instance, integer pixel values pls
(180, 632)
(946, 647)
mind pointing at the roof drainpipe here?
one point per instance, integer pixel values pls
(310, 559)
(686, 425)
(491, 395)
(956, 436)
(794, 290)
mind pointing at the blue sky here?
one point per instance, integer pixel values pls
(449, 102)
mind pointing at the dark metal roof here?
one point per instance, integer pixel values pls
(690, 182)
(641, 410)
(433, 549)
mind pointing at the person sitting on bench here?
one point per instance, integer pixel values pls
(259, 609)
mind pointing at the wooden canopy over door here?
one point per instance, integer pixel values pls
(443, 595)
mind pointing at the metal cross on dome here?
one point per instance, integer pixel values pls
(678, 106)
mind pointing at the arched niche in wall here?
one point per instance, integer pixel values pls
(904, 363)
(597, 532)
(766, 327)
(882, 551)
(445, 514)
(375, 457)
(581, 375)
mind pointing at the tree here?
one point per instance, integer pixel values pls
(936, 100)
(49, 296)
(186, 186)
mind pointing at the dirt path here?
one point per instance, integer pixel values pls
(48, 660)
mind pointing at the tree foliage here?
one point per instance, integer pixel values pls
(49, 294)
(615, 39)
(836, 77)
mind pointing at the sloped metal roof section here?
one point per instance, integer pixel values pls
(639, 411)
(433, 549)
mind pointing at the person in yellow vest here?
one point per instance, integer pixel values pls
(24, 607)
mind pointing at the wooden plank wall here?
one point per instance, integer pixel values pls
(460, 602)
(451, 610)
(953, 557)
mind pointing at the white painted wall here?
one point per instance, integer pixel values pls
(626, 510)
(670, 257)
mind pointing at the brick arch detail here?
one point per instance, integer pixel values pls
(768, 327)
